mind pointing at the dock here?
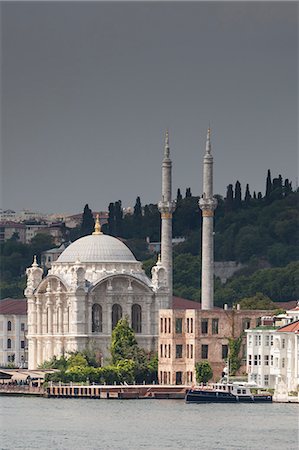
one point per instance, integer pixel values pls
(116, 391)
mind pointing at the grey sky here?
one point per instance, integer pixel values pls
(89, 88)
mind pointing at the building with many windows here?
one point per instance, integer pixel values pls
(273, 352)
(188, 336)
(13, 330)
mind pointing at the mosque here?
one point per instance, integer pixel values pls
(94, 282)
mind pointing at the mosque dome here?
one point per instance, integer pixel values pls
(95, 248)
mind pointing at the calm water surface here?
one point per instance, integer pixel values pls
(44, 424)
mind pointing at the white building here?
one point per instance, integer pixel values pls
(273, 353)
(13, 329)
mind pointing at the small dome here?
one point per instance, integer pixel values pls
(96, 248)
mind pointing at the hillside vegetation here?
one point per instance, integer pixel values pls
(259, 231)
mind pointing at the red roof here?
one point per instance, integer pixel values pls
(287, 305)
(13, 306)
(291, 327)
(183, 303)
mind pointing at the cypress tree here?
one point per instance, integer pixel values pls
(188, 193)
(111, 219)
(268, 185)
(137, 208)
(238, 195)
(87, 224)
(179, 196)
(229, 198)
(254, 195)
(259, 196)
(287, 187)
(118, 214)
(137, 219)
(276, 188)
(247, 195)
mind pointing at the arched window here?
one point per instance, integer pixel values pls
(8, 343)
(96, 318)
(9, 325)
(116, 314)
(136, 318)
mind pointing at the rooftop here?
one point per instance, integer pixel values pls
(291, 327)
(13, 306)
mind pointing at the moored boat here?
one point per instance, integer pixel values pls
(225, 393)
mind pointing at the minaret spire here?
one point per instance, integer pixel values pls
(207, 204)
(208, 142)
(166, 148)
(166, 208)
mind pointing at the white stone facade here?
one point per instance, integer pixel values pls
(79, 302)
(273, 358)
(13, 330)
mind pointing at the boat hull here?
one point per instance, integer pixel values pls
(196, 396)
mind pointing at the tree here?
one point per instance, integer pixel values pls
(238, 195)
(118, 214)
(287, 187)
(268, 185)
(229, 198)
(111, 219)
(179, 196)
(258, 301)
(137, 208)
(204, 372)
(234, 346)
(123, 342)
(188, 193)
(247, 195)
(87, 225)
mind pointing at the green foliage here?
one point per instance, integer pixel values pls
(258, 301)
(139, 248)
(15, 257)
(234, 346)
(204, 372)
(123, 342)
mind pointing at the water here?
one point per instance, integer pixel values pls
(85, 424)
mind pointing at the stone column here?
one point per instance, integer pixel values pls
(39, 315)
(39, 351)
(148, 329)
(60, 318)
(207, 204)
(166, 207)
(89, 315)
(32, 354)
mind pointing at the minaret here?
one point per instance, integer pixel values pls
(207, 204)
(166, 208)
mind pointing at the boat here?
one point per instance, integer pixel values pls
(224, 392)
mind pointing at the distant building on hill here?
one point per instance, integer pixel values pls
(11, 229)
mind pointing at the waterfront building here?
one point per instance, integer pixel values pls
(189, 336)
(13, 330)
(93, 283)
(273, 352)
